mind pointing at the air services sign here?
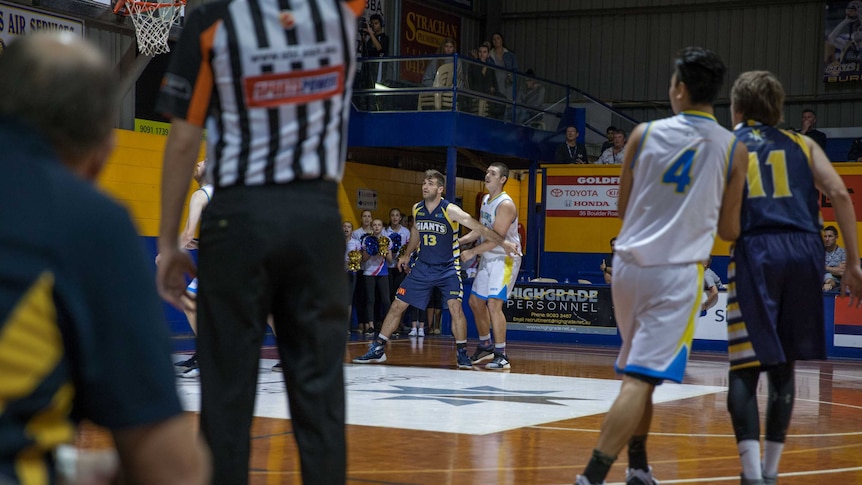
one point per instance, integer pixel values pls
(17, 21)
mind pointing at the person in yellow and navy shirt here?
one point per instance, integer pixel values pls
(82, 333)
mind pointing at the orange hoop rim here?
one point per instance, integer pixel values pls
(120, 6)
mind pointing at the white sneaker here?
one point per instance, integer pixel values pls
(636, 476)
(421, 332)
(191, 373)
(412, 332)
(582, 480)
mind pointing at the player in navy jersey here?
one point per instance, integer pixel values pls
(435, 233)
(775, 305)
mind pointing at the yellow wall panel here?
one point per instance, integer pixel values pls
(133, 174)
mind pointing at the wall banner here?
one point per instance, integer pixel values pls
(713, 325)
(848, 325)
(843, 42)
(582, 196)
(366, 199)
(18, 20)
(422, 31)
(544, 307)
(854, 187)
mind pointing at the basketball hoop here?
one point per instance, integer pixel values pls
(152, 23)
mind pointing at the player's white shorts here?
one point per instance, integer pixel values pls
(496, 277)
(656, 308)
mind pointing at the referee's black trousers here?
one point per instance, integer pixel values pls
(277, 250)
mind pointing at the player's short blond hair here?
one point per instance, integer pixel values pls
(758, 96)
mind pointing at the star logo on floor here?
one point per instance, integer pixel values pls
(452, 401)
(473, 395)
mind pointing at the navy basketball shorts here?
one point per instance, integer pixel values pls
(775, 299)
(417, 287)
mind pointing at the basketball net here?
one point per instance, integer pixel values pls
(153, 23)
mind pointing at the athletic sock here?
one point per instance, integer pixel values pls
(461, 345)
(749, 455)
(637, 453)
(485, 339)
(500, 348)
(382, 339)
(771, 456)
(598, 467)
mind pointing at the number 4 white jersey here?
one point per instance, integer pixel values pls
(679, 175)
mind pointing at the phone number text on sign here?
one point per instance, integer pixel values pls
(582, 196)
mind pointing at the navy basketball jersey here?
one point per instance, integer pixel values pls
(438, 235)
(779, 192)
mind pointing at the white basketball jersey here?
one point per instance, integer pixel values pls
(488, 215)
(679, 175)
(208, 190)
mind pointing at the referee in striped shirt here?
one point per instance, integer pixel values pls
(271, 81)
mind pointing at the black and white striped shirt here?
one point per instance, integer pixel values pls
(271, 81)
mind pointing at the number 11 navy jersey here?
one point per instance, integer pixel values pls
(779, 194)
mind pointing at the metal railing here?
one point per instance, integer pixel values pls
(407, 84)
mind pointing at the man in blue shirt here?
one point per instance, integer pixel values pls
(82, 335)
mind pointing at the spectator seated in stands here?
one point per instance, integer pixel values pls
(614, 155)
(447, 48)
(482, 78)
(855, 153)
(610, 141)
(809, 128)
(532, 94)
(836, 258)
(607, 263)
(570, 151)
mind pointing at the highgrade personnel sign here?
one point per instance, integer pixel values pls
(560, 308)
(18, 20)
(582, 196)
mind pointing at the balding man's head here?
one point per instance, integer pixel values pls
(64, 88)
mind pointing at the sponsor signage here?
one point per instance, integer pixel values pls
(854, 187)
(848, 324)
(366, 199)
(422, 31)
(544, 307)
(17, 20)
(582, 196)
(467, 4)
(272, 90)
(152, 127)
(713, 325)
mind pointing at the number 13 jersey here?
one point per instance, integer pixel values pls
(438, 243)
(679, 175)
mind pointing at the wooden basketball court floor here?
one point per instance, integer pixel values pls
(418, 420)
